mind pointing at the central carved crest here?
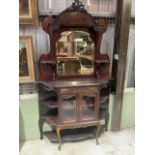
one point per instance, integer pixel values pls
(76, 6)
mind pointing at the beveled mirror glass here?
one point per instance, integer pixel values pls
(75, 53)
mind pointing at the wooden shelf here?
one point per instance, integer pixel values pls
(51, 120)
(48, 62)
(86, 57)
(50, 104)
(67, 58)
(103, 99)
(48, 98)
(104, 106)
(52, 85)
(102, 61)
(72, 135)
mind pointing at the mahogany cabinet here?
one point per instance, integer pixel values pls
(70, 104)
(74, 77)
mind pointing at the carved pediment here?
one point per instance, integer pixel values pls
(74, 16)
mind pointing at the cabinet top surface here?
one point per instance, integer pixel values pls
(75, 83)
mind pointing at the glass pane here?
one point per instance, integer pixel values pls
(75, 53)
(88, 107)
(69, 108)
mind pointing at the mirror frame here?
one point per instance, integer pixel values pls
(73, 19)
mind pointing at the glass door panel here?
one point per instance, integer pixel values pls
(69, 104)
(88, 107)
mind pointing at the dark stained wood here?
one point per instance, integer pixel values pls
(53, 114)
(51, 120)
(73, 102)
(51, 85)
(72, 135)
(71, 20)
(50, 104)
(46, 67)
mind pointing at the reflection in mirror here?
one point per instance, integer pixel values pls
(75, 53)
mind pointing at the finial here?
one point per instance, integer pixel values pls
(76, 6)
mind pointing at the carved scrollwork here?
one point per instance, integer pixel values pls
(77, 6)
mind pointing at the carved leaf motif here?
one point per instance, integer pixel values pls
(46, 24)
(77, 6)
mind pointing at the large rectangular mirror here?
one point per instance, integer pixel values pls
(75, 53)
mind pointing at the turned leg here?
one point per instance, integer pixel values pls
(97, 133)
(106, 121)
(59, 137)
(41, 122)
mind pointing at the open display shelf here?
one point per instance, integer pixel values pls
(72, 135)
(50, 104)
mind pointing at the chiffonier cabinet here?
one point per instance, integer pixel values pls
(73, 86)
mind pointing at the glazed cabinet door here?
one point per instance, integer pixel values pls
(89, 106)
(69, 108)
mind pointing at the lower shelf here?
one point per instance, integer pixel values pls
(72, 135)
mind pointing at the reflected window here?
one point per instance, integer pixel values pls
(75, 53)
